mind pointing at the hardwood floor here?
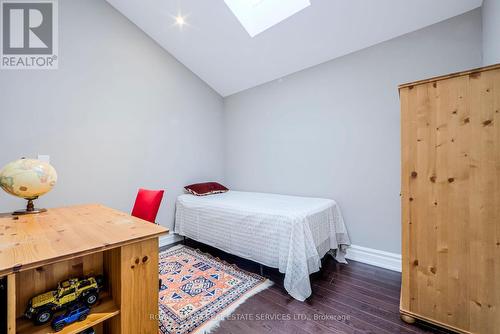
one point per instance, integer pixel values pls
(354, 298)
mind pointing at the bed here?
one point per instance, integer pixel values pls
(285, 232)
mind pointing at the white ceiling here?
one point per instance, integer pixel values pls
(216, 47)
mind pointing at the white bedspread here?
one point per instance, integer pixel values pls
(285, 232)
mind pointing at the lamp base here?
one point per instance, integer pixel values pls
(28, 212)
(30, 209)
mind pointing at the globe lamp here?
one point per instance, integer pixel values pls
(28, 179)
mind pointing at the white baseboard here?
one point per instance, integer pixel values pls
(375, 257)
(169, 239)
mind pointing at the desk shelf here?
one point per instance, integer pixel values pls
(124, 307)
(100, 313)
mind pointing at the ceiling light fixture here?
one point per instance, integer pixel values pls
(180, 21)
(258, 15)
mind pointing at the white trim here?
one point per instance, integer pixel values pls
(375, 257)
(169, 239)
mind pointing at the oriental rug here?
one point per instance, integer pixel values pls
(198, 291)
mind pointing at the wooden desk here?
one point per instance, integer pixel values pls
(37, 251)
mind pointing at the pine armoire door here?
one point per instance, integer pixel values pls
(451, 201)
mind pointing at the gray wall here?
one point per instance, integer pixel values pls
(334, 130)
(491, 32)
(121, 113)
(118, 114)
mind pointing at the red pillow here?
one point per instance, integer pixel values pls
(207, 188)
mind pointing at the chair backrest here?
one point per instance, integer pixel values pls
(147, 204)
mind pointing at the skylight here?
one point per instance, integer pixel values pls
(259, 15)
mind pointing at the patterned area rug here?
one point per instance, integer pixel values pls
(198, 290)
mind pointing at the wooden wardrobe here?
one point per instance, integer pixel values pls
(451, 201)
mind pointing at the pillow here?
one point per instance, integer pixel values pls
(207, 188)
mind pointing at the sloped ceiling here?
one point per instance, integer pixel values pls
(215, 46)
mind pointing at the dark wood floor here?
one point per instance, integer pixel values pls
(354, 298)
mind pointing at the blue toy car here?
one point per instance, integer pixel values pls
(78, 313)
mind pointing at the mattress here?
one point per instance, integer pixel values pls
(285, 232)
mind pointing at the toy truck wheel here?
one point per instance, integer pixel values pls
(100, 281)
(43, 316)
(59, 327)
(82, 317)
(91, 298)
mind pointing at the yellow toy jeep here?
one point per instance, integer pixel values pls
(41, 308)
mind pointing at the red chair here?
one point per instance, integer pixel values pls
(147, 204)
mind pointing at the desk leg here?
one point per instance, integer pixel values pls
(11, 304)
(133, 271)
